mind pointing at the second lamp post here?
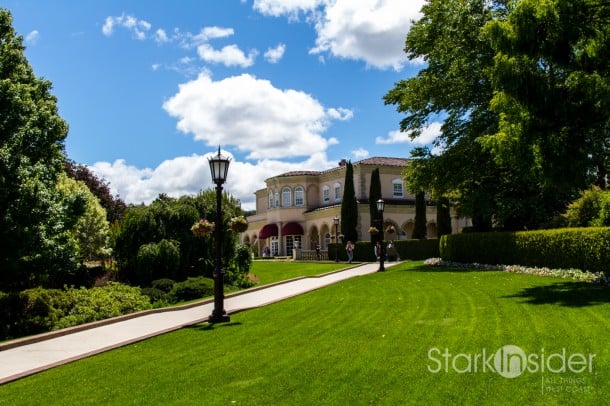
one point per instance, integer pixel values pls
(380, 207)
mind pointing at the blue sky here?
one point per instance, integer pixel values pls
(151, 88)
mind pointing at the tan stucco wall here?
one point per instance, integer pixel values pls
(316, 215)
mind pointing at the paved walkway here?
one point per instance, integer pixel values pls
(23, 357)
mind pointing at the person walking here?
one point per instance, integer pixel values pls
(350, 252)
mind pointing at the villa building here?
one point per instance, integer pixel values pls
(297, 209)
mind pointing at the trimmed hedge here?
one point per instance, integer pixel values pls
(407, 249)
(586, 249)
(418, 249)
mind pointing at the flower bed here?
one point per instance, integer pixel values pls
(575, 274)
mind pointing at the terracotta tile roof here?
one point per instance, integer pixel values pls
(378, 161)
(299, 173)
(383, 161)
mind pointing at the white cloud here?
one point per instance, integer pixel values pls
(253, 115)
(188, 175)
(137, 27)
(340, 113)
(108, 26)
(273, 55)
(208, 33)
(161, 36)
(360, 153)
(189, 40)
(229, 55)
(373, 31)
(428, 135)
(32, 37)
(290, 8)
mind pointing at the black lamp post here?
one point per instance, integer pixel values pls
(336, 221)
(219, 166)
(380, 207)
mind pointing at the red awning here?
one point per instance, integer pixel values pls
(292, 229)
(269, 230)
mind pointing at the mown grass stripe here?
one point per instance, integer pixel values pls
(362, 341)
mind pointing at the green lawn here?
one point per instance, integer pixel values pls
(368, 340)
(274, 271)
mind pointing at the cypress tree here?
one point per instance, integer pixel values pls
(349, 206)
(443, 216)
(374, 195)
(419, 231)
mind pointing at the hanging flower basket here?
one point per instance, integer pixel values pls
(202, 228)
(373, 230)
(238, 224)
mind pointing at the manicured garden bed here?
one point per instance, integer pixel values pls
(414, 334)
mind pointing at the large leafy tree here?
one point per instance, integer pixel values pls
(522, 90)
(114, 205)
(454, 89)
(349, 206)
(92, 231)
(35, 220)
(552, 94)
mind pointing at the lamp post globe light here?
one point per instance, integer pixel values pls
(219, 166)
(336, 221)
(380, 207)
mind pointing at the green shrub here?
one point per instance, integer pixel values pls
(237, 273)
(39, 310)
(192, 288)
(29, 312)
(243, 258)
(580, 248)
(603, 217)
(164, 284)
(157, 296)
(156, 260)
(592, 208)
(112, 300)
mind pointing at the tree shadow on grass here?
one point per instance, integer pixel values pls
(571, 294)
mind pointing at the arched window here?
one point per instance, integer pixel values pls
(271, 199)
(276, 199)
(299, 196)
(398, 188)
(326, 193)
(337, 188)
(286, 197)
